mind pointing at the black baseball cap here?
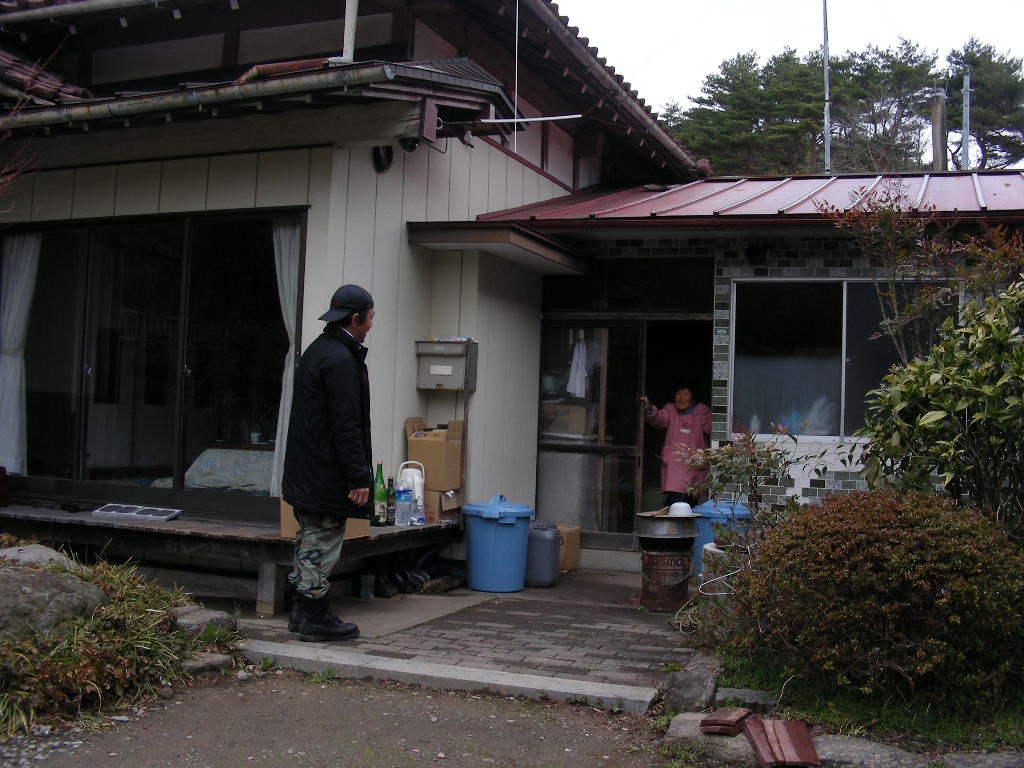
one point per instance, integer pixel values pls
(347, 299)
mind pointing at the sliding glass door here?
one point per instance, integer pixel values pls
(131, 336)
(155, 355)
(588, 454)
(235, 348)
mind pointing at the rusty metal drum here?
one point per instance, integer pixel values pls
(666, 579)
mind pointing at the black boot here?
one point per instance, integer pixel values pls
(317, 624)
(382, 586)
(291, 599)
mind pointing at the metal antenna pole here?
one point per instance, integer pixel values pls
(965, 137)
(828, 100)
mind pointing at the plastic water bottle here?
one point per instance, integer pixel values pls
(418, 514)
(404, 505)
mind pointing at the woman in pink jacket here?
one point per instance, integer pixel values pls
(688, 428)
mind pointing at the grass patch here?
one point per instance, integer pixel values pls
(914, 722)
(129, 647)
(322, 676)
(684, 756)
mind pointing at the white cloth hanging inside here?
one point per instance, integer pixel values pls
(579, 371)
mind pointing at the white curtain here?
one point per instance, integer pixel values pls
(287, 243)
(19, 262)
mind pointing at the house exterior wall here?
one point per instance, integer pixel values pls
(497, 303)
(356, 232)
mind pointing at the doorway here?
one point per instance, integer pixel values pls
(677, 353)
(598, 463)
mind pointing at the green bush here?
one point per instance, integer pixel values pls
(956, 413)
(885, 590)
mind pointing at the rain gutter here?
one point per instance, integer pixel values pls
(70, 9)
(199, 97)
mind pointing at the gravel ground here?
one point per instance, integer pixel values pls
(285, 719)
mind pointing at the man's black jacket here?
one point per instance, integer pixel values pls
(328, 451)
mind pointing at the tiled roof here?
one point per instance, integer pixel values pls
(23, 5)
(30, 79)
(987, 193)
(546, 43)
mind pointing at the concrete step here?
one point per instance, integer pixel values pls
(610, 696)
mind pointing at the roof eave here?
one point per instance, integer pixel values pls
(509, 240)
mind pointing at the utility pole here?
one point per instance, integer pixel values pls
(965, 136)
(828, 100)
(938, 130)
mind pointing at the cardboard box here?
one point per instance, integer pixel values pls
(438, 450)
(354, 529)
(439, 507)
(565, 419)
(568, 548)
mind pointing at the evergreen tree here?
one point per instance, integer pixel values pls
(997, 104)
(752, 119)
(727, 123)
(880, 109)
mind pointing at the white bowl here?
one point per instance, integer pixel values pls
(680, 509)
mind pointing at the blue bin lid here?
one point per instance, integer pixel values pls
(722, 510)
(497, 507)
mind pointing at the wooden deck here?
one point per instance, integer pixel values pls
(198, 535)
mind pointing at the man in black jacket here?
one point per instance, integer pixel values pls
(327, 475)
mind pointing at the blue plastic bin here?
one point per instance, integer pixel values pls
(730, 513)
(497, 534)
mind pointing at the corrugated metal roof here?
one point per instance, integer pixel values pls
(792, 198)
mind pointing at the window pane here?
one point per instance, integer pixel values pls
(52, 355)
(786, 366)
(235, 352)
(867, 360)
(570, 382)
(131, 332)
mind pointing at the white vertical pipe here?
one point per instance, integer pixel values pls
(348, 51)
(515, 86)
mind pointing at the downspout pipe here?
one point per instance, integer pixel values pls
(543, 10)
(80, 8)
(198, 98)
(348, 49)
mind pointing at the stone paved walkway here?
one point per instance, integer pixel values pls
(584, 628)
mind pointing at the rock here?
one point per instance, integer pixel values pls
(206, 662)
(693, 687)
(34, 601)
(848, 750)
(35, 555)
(719, 748)
(193, 619)
(757, 701)
(991, 760)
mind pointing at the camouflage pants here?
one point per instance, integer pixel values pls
(317, 549)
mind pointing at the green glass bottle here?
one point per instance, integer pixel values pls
(391, 501)
(380, 498)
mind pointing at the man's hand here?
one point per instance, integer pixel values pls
(359, 496)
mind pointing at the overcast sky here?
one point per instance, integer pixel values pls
(666, 48)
